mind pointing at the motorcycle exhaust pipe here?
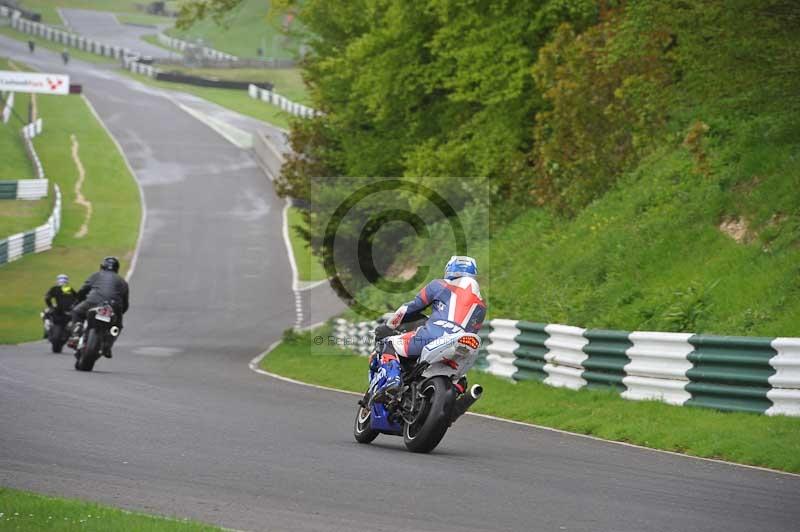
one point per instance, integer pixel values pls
(465, 401)
(114, 331)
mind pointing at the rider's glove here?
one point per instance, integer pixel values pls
(397, 318)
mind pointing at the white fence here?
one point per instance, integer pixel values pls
(33, 241)
(272, 97)
(180, 45)
(357, 336)
(28, 133)
(9, 99)
(65, 38)
(132, 64)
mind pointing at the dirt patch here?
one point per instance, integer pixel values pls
(79, 198)
(736, 228)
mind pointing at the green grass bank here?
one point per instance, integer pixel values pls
(113, 226)
(24, 511)
(18, 215)
(245, 29)
(772, 442)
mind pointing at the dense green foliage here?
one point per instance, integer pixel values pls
(639, 157)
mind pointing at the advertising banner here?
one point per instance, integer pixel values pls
(33, 82)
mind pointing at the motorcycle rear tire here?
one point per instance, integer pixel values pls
(90, 352)
(362, 431)
(433, 421)
(56, 337)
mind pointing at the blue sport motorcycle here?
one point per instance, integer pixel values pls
(434, 392)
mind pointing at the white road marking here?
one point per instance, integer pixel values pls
(234, 135)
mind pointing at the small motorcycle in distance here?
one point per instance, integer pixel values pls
(433, 395)
(97, 334)
(55, 328)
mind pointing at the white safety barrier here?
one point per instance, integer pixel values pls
(732, 373)
(272, 97)
(131, 63)
(36, 240)
(9, 99)
(356, 336)
(180, 45)
(32, 189)
(65, 38)
(28, 133)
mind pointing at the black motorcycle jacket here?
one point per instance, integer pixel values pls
(60, 298)
(105, 285)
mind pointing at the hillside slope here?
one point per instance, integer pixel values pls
(249, 26)
(670, 248)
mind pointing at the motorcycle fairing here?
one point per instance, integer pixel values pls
(379, 420)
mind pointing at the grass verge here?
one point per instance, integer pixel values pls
(153, 39)
(42, 43)
(18, 215)
(143, 19)
(309, 267)
(772, 442)
(245, 28)
(113, 227)
(12, 149)
(235, 100)
(21, 510)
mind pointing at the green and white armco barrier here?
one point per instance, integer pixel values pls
(40, 238)
(23, 189)
(732, 373)
(35, 240)
(272, 97)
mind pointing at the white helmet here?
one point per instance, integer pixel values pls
(460, 266)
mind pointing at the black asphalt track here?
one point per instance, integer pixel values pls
(177, 424)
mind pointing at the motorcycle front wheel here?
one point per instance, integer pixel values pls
(56, 337)
(432, 421)
(362, 430)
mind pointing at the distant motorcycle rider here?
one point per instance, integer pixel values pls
(457, 306)
(60, 298)
(103, 285)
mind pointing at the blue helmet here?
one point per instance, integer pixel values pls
(62, 279)
(460, 266)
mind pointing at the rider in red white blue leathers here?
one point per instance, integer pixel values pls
(456, 306)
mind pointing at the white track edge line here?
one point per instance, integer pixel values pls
(143, 218)
(254, 363)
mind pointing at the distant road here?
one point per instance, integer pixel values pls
(177, 424)
(105, 28)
